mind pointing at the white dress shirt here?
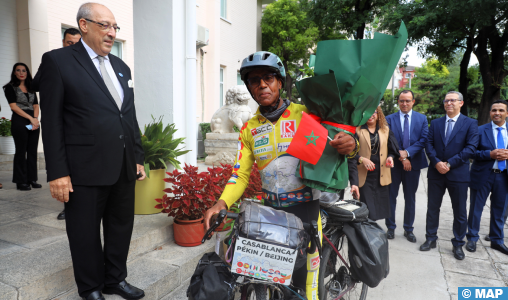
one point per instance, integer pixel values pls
(453, 123)
(109, 68)
(505, 138)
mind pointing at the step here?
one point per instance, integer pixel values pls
(43, 269)
(160, 273)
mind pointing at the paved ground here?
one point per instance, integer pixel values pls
(437, 274)
(413, 275)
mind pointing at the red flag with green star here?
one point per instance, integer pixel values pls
(309, 141)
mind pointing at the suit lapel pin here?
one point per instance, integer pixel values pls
(121, 75)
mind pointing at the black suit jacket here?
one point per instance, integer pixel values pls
(85, 135)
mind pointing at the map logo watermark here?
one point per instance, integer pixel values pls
(468, 293)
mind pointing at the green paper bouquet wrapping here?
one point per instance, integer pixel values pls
(350, 79)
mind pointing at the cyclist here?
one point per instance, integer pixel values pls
(264, 139)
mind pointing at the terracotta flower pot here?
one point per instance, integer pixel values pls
(188, 233)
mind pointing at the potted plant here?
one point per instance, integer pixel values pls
(160, 149)
(6, 140)
(190, 195)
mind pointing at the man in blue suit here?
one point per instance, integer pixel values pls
(488, 175)
(451, 142)
(410, 129)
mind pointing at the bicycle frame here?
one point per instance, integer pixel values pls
(345, 263)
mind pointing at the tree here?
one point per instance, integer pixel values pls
(349, 16)
(441, 27)
(288, 33)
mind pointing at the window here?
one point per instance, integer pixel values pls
(221, 84)
(239, 80)
(408, 75)
(223, 8)
(117, 49)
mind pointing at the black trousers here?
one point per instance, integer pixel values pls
(26, 142)
(87, 207)
(458, 195)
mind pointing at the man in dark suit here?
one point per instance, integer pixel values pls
(488, 176)
(410, 129)
(71, 37)
(93, 151)
(451, 142)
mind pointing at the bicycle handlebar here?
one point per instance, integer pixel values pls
(312, 229)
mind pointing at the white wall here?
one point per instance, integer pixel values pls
(160, 61)
(8, 48)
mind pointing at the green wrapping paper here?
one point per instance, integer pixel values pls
(350, 79)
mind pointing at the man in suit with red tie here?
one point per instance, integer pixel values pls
(488, 176)
(410, 129)
(93, 151)
(451, 142)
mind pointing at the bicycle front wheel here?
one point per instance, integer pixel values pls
(255, 291)
(335, 279)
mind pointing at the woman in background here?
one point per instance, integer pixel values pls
(24, 126)
(378, 148)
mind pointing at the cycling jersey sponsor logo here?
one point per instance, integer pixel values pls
(236, 167)
(231, 181)
(261, 130)
(314, 263)
(282, 147)
(286, 114)
(234, 175)
(263, 150)
(261, 141)
(288, 128)
(265, 157)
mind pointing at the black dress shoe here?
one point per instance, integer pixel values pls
(487, 238)
(410, 236)
(23, 186)
(428, 245)
(458, 253)
(35, 185)
(500, 247)
(471, 246)
(95, 296)
(124, 290)
(390, 234)
(61, 216)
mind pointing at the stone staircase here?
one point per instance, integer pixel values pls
(155, 264)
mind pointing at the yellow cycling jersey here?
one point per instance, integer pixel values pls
(266, 143)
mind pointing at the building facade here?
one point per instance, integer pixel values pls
(175, 75)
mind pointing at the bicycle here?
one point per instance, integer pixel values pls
(256, 289)
(335, 278)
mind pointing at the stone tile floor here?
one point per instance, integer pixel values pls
(28, 222)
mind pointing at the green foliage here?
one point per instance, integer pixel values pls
(389, 103)
(434, 67)
(288, 33)
(5, 127)
(205, 128)
(335, 17)
(160, 146)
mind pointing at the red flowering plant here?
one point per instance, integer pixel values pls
(5, 127)
(193, 193)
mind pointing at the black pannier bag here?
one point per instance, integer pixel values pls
(212, 280)
(268, 225)
(367, 251)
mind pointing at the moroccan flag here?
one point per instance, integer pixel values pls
(309, 140)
